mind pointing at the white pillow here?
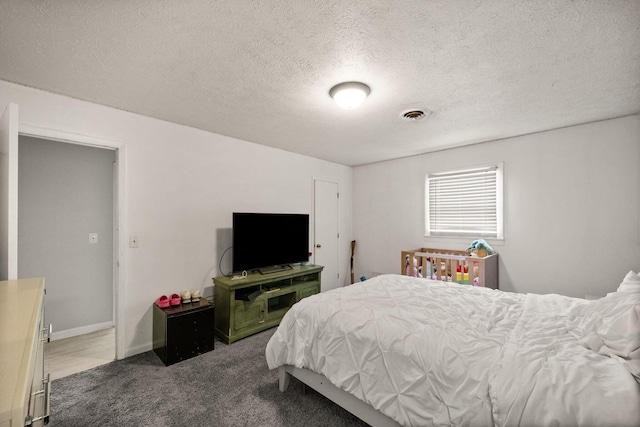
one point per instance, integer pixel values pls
(611, 327)
(619, 327)
(631, 282)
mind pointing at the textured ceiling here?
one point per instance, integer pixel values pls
(261, 70)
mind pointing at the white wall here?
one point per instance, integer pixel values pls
(572, 208)
(182, 186)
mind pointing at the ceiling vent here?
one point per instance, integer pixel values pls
(414, 115)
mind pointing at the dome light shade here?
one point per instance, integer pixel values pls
(350, 94)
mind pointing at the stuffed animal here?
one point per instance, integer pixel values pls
(415, 272)
(443, 271)
(480, 248)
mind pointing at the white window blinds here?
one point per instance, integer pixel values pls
(466, 203)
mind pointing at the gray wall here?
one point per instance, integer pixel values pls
(571, 208)
(65, 192)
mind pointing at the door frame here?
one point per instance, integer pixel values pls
(314, 179)
(120, 218)
(9, 192)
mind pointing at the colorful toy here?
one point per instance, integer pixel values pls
(462, 277)
(415, 272)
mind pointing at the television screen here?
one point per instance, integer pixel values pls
(269, 239)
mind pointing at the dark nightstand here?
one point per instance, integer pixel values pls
(183, 331)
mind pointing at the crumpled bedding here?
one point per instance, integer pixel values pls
(432, 353)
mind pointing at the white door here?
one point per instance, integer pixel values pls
(9, 193)
(326, 232)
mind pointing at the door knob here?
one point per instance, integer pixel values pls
(318, 245)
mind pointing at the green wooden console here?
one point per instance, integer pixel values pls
(258, 301)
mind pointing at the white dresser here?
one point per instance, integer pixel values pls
(24, 388)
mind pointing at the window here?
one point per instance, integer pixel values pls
(465, 203)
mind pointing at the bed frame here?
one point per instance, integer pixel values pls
(344, 399)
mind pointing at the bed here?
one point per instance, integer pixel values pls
(398, 350)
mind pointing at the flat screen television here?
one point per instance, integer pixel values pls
(269, 241)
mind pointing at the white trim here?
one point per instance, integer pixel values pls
(465, 177)
(120, 226)
(80, 331)
(500, 200)
(140, 348)
(9, 154)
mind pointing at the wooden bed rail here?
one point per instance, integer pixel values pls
(451, 266)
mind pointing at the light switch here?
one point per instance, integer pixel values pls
(133, 241)
(93, 237)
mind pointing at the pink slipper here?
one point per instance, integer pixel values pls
(175, 299)
(162, 302)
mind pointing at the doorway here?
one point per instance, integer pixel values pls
(10, 129)
(326, 236)
(66, 231)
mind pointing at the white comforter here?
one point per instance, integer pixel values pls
(431, 353)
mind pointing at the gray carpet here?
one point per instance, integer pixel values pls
(230, 386)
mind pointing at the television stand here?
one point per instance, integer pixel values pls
(275, 269)
(258, 302)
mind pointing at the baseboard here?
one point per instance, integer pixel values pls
(142, 348)
(68, 333)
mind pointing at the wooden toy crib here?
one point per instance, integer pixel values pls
(451, 266)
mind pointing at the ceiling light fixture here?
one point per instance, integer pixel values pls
(349, 94)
